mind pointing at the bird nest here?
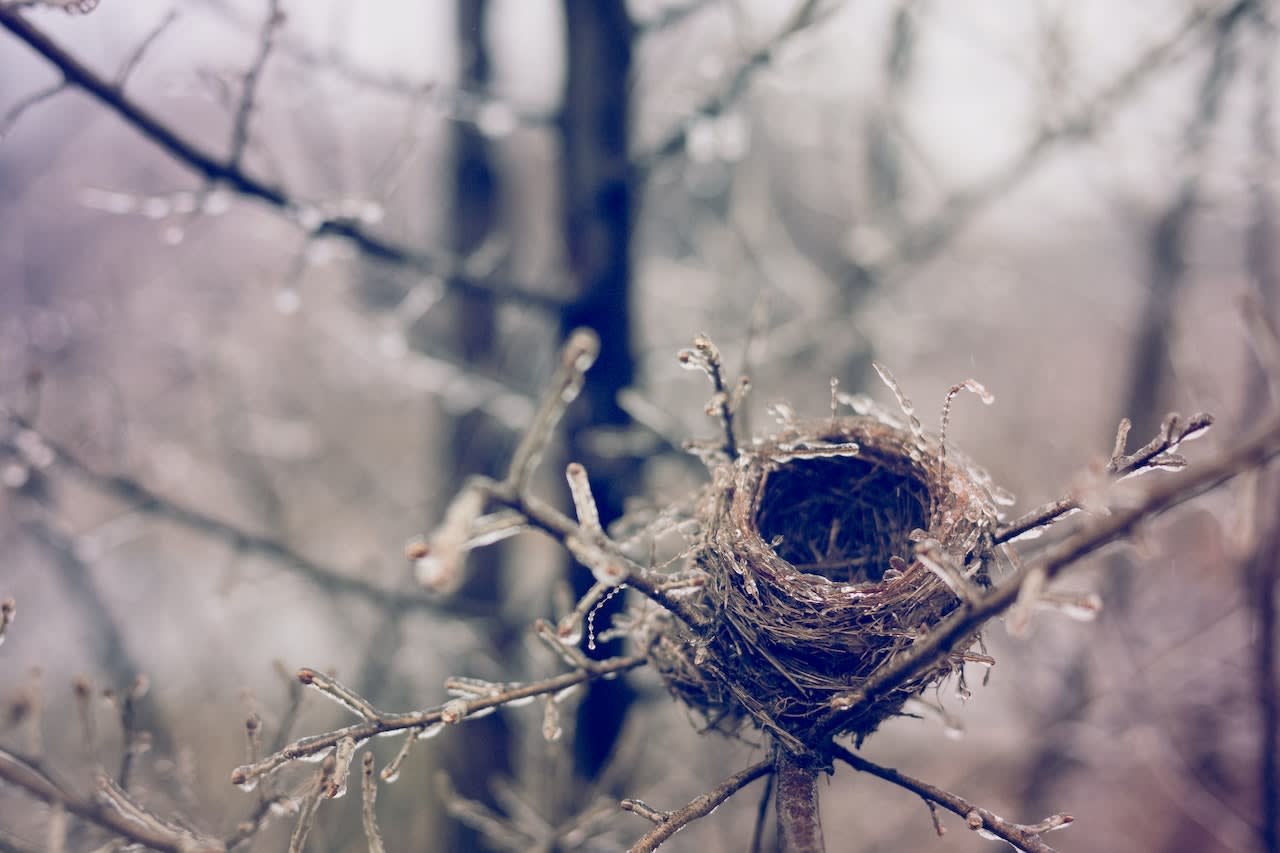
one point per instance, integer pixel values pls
(821, 555)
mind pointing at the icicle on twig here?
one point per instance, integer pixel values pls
(437, 563)
(705, 356)
(368, 801)
(577, 356)
(343, 695)
(904, 402)
(973, 386)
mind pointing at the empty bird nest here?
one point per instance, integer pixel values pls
(827, 549)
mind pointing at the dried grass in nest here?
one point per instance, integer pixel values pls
(812, 581)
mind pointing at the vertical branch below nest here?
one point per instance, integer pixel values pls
(799, 827)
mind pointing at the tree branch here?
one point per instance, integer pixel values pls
(1255, 452)
(799, 826)
(229, 173)
(108, 808)
(1025, 838)
(451, 712)
(669, 823)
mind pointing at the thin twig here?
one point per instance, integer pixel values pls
(1025, 838)
(134, 59)
(227, 172)
(110, 809)
(669, 823)
(455, 710)
(10, 119)
(249, 91)
(1159, 453)
(676, 139)
(149, 502)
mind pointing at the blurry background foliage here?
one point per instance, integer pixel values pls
(1067, 199)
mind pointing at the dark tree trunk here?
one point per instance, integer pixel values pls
(480, 750)
(597, 210)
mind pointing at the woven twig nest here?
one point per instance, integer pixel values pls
(813, 580)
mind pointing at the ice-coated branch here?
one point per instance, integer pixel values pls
(368, 803)
(1159, 454)
(249, 91)
(229, 173)
(108, 807)
(733, 90)
(669, 823)
(1253, 453)
(1024, 838)
(576, 357)
(147, 501)
(428, 722)
(705, 356)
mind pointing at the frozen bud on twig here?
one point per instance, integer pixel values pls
(336, 784)
(454, 711)
(343, 695)
(1082, 608)
(577, 356)
(705, 356)
(438, 566)
(609, 569)
(584, 503)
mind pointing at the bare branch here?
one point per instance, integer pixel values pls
(432, 719)
(131, 63)
(705, 356)
(11, 117)
(1253, 453)
(248, 94)
(110, 809)
(676, 140)
(227, 172)
(369, 798)
(143, 499)
(1159, 454)
(1025, 838)
(669, 823)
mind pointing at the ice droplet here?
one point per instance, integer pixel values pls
(14, 476)
(428, 732)
(156, 207)
(861, 404)
(216, 203)
(392, 345)
(1030, 533)
(1002, 496)
(287, 300)
(496, 119)
(551, 728)
(453, 711)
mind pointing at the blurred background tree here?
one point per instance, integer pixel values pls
(278, 276)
